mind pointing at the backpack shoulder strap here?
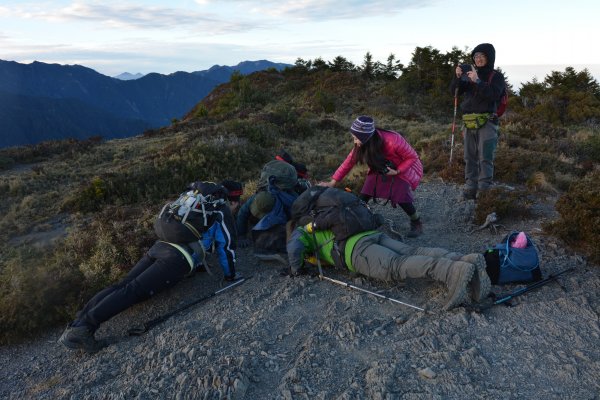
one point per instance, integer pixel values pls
(491, 76)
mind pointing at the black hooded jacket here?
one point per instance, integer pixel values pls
(481, 97)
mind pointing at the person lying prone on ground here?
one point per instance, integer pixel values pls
(167, 262)
(376, 255)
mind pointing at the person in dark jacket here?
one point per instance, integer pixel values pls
(481, 96)
(165, 264)
(264, 215)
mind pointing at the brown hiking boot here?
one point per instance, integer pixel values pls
(416, 228)
(79, 338)
(457, 280)
(481, 285)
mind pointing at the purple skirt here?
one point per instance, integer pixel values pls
(391, 188)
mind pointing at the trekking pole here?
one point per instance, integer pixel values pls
(453, 123)
(506, 298)
(151, 324)
(509, 296)
(372, 293)
(317, 247)
(321, 277)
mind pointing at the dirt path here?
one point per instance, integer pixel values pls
(277, 337)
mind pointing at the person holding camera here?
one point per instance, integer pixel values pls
(395, 169)
(482, 88)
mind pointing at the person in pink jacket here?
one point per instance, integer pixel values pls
(395, 169)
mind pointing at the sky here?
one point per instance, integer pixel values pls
(532, 38)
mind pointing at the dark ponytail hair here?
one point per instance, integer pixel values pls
(371, 153)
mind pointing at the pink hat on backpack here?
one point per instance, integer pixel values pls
(520, 241)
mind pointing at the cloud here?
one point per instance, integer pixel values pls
(132, 16)
(319, 10)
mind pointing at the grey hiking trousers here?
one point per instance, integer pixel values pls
(480, 151)
(381, 257)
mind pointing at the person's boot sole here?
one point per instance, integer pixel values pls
(481, 285)
(460, 294)
(73, 344)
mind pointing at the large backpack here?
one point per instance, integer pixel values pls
(301, 170)
(185, 219)
(279, 174)
(503, 100)
(340, 211)
(508, 264)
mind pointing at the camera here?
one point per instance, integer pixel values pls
(465, 68)
(385, 169)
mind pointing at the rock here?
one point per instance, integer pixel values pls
(427, 373)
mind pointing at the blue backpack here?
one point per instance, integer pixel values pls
(507, 264)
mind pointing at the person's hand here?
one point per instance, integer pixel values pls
(330, 183)
(243, 243)
(473, 75)
(392, 172)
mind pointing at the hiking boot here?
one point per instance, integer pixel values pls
(233, 278)
(469, 194)
(79, 338)
(480, 285)
(416, 228)
(457, 280)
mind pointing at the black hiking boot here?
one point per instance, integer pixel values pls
(79, 338)
(416, 228)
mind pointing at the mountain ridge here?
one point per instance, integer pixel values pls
(155, 99)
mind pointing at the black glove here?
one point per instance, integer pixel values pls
(243, 243)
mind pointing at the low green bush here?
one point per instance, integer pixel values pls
(507, 204)
(579, 222)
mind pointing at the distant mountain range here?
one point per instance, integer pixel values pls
(126, 76)
(41, 101)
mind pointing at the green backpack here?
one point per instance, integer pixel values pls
(280, 174)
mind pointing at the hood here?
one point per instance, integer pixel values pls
(488, 50)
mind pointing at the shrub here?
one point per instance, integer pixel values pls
(6, 162)
(34, 293)
(507, 204)
(579, 222)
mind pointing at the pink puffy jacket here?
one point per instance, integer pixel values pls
(395, 149)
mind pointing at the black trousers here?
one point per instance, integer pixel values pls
(161, 267)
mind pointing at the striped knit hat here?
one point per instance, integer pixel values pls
(363, 128)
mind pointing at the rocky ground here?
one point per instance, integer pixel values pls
(276, 337)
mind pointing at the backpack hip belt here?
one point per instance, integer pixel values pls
(186, 253)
